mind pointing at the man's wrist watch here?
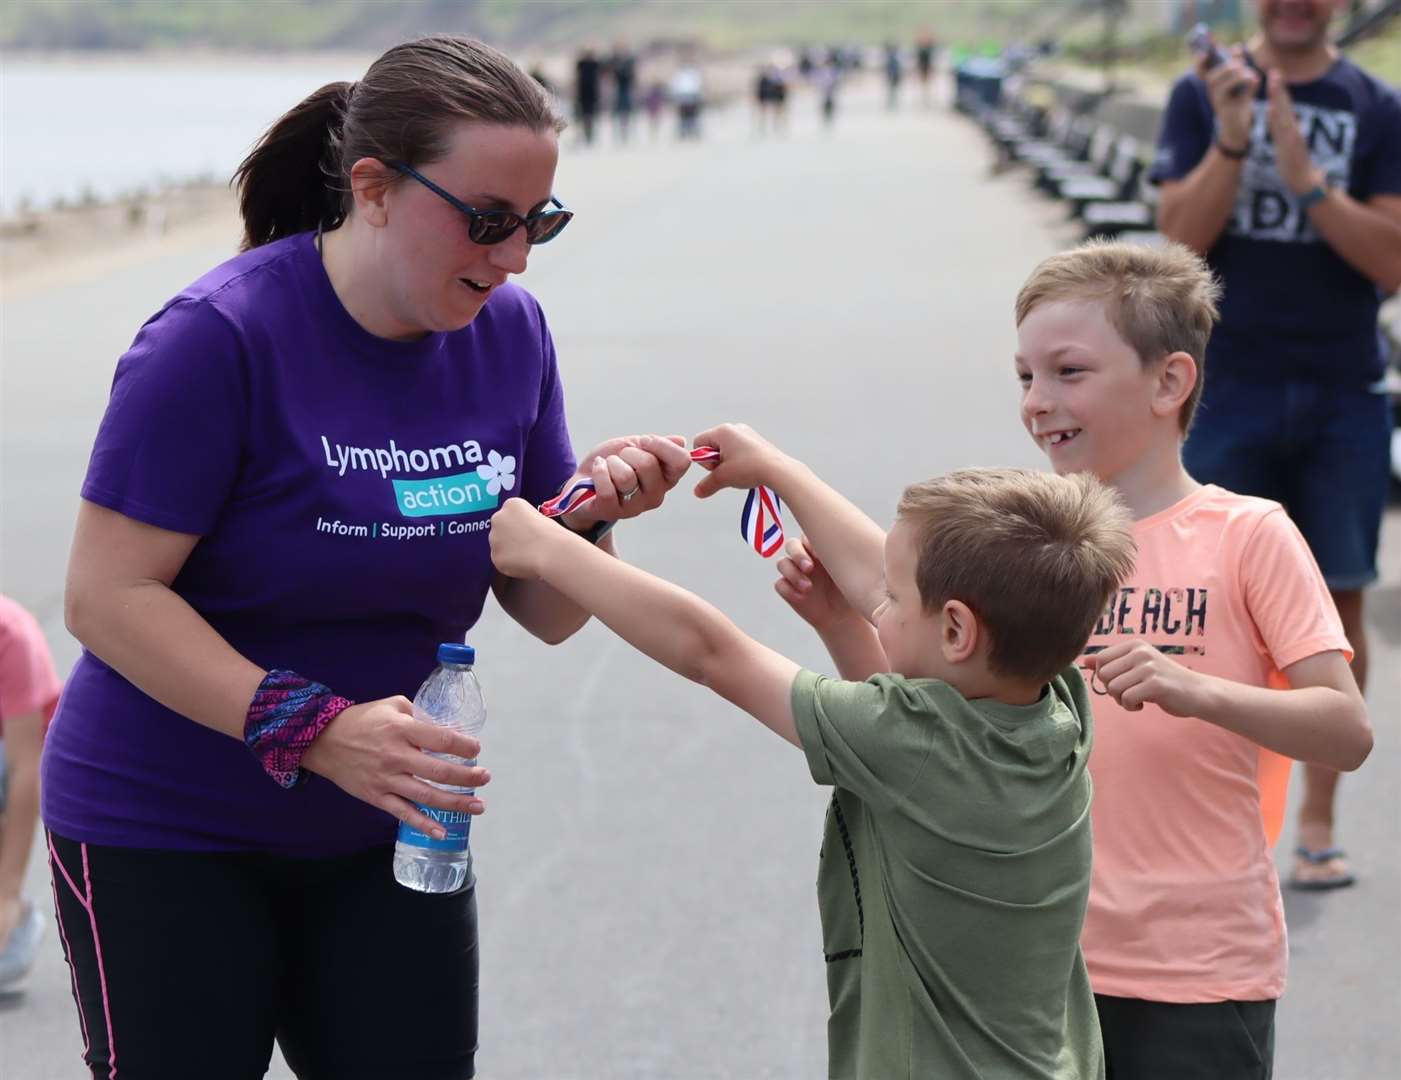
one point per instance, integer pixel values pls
(1315, 194)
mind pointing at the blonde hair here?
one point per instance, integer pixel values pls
(1034, 555)
(1160, 300)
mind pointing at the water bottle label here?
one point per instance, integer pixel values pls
(458, 824)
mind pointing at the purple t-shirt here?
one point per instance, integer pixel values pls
(342, 487)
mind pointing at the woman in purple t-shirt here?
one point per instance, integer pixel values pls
(285, 512)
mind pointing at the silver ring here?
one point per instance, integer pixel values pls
(625, 496)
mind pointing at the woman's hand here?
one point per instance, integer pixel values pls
(378, 751)
(809, 590)
(630, 474)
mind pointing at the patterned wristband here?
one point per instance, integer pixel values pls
(286, 714)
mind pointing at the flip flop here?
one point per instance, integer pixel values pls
(1318, 858)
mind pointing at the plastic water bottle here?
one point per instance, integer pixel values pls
(451, 698)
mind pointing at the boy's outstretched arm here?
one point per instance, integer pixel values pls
(1321, 719)
(809, 590)
(669, 624)
(849, 543)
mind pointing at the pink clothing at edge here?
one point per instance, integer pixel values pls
(1184, 901)
(28, 682)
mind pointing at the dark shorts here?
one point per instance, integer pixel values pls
(1157, 1040)
(1322, 450)
(189, 964)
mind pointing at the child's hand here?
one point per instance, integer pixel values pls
(519, 536)
(1134, 673)
(747, 459)
(810, 591)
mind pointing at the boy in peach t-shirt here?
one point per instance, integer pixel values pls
(29, 689)
(1223, 652)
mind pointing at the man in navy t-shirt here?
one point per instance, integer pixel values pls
(1282, 165)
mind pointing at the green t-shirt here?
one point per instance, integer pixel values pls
(953, 881)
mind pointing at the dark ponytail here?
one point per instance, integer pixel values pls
(290, 181)
(297, 177)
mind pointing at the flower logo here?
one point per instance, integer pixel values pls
(499, 473)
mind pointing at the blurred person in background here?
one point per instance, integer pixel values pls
(654, 101)
(29, 690)
(588, 92)
(687, 92)
(826, 81)
(924, 63)
(771, 98)
(1282, 166)
(894, 74)
(622, 67)
(284, 514)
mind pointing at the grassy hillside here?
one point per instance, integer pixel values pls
(557, 25)
(534, 24)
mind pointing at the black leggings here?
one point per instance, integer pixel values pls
(189, 964)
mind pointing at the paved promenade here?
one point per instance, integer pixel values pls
(647, 864)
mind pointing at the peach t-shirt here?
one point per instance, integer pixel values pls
(1184, 902)
(28, 682)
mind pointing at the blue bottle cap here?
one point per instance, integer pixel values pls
(454, 652)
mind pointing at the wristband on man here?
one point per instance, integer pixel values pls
(1314, 195)
(286, 715)
(1231, 152)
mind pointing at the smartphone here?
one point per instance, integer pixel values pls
(1204, 45)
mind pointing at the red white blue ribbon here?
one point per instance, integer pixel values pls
(760, 523)
(578, 494)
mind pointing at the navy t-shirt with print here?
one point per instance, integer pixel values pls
(341, 486)
(1292, 305)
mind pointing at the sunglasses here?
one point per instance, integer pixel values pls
(494, 226)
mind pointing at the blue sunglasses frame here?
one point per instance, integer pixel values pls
(495, 226)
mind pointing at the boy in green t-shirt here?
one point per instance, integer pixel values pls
(956, 860)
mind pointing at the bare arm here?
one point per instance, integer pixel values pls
(119, 603)
(854, 648)
(23, 742)
(645, 467)
(669, 624)
(1366, 235)
(849, 543)
(546, 612)
(1195, 210)
(1321, 719)
(851, 641)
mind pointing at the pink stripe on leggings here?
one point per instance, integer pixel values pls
(63, 933)
(101, 972)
